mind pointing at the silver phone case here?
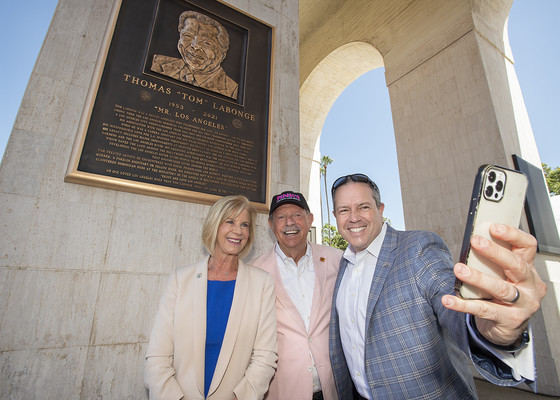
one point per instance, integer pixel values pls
(501, 206)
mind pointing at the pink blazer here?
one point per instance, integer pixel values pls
(174, 366)
(294, 375)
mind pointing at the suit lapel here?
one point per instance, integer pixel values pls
(320, 268)
(235, 318)
(198, 322)
(341, 270)
(335, 346)
(385, 260)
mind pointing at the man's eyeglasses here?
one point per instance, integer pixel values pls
(354, 178)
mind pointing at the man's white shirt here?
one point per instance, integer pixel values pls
(351, 305)
(299, 282)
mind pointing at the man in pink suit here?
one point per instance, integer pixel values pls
(304, 275)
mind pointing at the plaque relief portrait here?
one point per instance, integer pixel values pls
(180, 104)
(203, 45)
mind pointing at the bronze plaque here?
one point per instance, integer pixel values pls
(180, 106)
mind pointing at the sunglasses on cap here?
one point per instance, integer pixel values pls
(354, 178)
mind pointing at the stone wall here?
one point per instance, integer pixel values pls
(82, 268)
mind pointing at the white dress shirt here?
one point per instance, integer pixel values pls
(351, 305)
(299, 282)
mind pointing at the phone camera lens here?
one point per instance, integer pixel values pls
(492, 176)
(489, 191)
(499, 186)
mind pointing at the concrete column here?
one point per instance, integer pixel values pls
(455, 108)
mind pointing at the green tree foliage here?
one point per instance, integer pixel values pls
(552, 179)
(335, 239)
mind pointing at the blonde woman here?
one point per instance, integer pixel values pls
(215, 331)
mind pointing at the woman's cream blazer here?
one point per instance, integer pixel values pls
(175, 358)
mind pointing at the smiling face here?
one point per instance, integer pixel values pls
(233, 235)
(199, 48)
(290, 224)
(358, 218)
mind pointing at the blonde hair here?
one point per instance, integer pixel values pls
(228, 207)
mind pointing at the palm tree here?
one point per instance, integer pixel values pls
(326, 160)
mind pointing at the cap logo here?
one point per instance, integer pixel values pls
(287, 196)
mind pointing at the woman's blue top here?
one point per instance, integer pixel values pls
(218, 304)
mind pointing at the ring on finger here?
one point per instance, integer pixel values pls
(514, 300)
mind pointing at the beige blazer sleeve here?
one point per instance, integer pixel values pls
(262, 365)
(159, 371)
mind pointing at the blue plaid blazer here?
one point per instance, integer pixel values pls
(415, 347)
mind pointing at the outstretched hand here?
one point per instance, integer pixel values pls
(499, 320)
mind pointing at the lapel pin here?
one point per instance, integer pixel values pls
(322, 259)
(198, 275)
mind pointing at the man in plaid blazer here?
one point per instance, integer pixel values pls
(398, 332)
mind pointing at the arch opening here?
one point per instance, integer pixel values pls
(355, 67)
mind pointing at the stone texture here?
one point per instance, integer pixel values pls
(23, 166)
(69, 236)
(115, 372)
(150, 251)
(125, 309)
(17, 212)
(48, 309)
(43, 373)
(42, 105)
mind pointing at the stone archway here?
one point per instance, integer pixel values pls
(317, 95)
(446, 69)
(455, 104)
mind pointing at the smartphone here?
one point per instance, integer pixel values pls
(498, 197)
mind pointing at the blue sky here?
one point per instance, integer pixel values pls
(533, 33)
(23, 30)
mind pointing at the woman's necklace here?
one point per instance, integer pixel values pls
(212, 267)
